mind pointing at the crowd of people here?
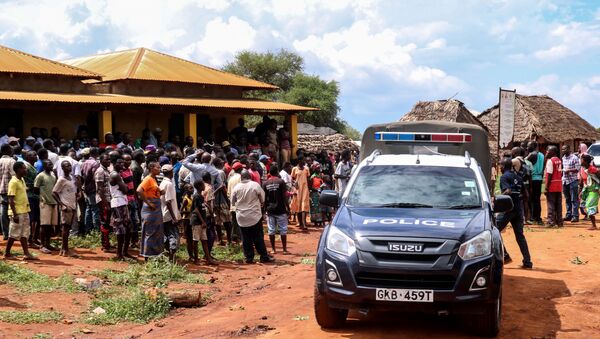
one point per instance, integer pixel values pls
(153, 194)
(527, 173)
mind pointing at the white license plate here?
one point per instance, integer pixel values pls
(391, 294)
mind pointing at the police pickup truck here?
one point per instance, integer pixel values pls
(415, 229)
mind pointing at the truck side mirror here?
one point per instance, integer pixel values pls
(503, 204)
(330, 198)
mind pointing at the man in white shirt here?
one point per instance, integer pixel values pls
(343, 171)
(170, 211)
(75, 165)
(49, 145)
(248, 198)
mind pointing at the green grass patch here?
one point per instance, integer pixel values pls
(157, 272)
(132, 306)
(42, 336)
(222, 253)
(308, 261)
(28, 281)
(91, 240)
(30, 317)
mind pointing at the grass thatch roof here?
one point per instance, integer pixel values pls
(442, 110)
(541, 116)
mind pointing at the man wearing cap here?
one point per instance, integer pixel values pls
(227, 148)
(170, 211)
(29, 142)
(234, 179)
(11, 132)
(264, 161)
(248, 198)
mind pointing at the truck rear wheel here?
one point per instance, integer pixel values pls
(328, 317)
(488, 323)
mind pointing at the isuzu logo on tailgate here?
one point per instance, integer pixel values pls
(404, 247)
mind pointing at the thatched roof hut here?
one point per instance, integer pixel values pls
(315, 143)
(441, 110)
(541, 118)
(448, 110)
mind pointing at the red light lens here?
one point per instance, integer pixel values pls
(468, 138)
(455, 138)
(439, 137)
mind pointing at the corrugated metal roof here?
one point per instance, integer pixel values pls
(14, 61)
(127, 99)
(145, 64)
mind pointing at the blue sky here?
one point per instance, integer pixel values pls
(386, 55)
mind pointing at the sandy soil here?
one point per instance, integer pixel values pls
(556, 299)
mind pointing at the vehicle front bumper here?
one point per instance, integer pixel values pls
(459, 299)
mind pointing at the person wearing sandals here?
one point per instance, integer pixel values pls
(18, 211)
(65, 194)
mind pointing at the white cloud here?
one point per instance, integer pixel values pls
(501, 30)
(358, 49)
(437, 43)
(579, 96)
(222, 39)
(570, 39)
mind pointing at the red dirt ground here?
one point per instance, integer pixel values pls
(556, 299)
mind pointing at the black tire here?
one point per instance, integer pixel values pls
(326, 316)
(488, 323)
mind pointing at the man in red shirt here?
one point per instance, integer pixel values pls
(553, 181)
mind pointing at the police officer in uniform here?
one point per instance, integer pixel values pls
(511, 184)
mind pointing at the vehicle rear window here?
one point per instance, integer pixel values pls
(594, 150)
(421, 186)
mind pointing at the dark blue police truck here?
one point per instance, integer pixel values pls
(415, 229)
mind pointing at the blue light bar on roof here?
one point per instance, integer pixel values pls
(423, 137)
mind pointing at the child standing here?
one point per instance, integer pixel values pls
(209, 197)
(43, 184)
(65, 194)
(199, 225)
(591, 188)
(119, 211)
(18, 211)
(186, 211)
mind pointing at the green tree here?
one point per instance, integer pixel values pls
(285, 70)
(312, 91)
(277, 69)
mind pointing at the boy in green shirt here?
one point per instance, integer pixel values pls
(43, 184)
(18, 212)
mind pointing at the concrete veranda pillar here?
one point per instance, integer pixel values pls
(104, 124)
(294, 133)
(189, 126)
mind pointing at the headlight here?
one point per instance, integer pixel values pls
(339, 242)
(477, 246)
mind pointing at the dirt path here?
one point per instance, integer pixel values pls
(556, 299)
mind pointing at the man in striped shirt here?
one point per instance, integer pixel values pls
(570, 182)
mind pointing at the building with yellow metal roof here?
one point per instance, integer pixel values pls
(127, 91)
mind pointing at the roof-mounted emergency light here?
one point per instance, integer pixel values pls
(423, 137)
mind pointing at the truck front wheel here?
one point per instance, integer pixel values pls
(326, 316)
(488, 323)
